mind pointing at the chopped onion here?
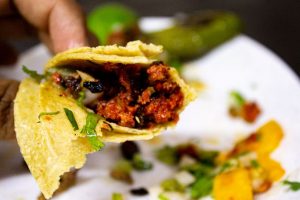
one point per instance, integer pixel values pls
(185, 178)
(186, 161)
(90, 97)
(246, 159)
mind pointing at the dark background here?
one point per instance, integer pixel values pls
(274, 23)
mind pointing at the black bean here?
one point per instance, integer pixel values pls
(139, 191)
(93, 86)
(129, 149)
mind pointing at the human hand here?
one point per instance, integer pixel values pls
(8, 90)
(60, 24)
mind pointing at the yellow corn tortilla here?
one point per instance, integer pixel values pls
(135, 52)
(48, 151)
(49, 145)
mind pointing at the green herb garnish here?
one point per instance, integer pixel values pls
(122, 171)
(254, 164)
(240, 154)
(237, 98)
(139, 164)
(227, 165)
(171, 185)
(199, 169)
(89, 129)
(71, 118)
(202, 187)
(162, 197)
(123, 165)
(117, 196)
(81, 97)
(293, 185)
(208, 157)
(33, 74)
(46, 113)
(167, 155)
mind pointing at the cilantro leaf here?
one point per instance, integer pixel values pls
(80, 99)
(117, 196)
(202, 187)
(139, 164)
(162, 197)
(254, 164)
(167, 155)
(237, 99)
(47, 113)
(89, 129)
(227, 165)
(122, 171)
(170, 185)
(208, 157)
(293, 185)
(33, 74)
(71, 118)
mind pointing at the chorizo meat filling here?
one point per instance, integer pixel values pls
(128, 95)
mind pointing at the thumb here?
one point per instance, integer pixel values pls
(67, 26)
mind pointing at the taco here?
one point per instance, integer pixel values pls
(93, 95)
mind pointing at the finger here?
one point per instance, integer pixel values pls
(45, 38)
(36, 12)
(67, 26)
(8, 90)
(62, 19)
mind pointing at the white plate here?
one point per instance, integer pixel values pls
(241, 64)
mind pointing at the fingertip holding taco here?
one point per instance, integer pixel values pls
(90, 96)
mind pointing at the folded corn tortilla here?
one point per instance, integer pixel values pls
(49, 144)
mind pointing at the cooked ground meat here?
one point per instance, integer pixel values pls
(133, 96)
(71, 83)
(157, 72)
(251, 111)
(162, 109)
(145, 97)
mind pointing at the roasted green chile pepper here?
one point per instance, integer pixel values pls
(196, 35)
(113, 24)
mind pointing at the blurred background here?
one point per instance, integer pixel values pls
(276, 24)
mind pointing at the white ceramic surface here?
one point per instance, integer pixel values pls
(241, 64)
